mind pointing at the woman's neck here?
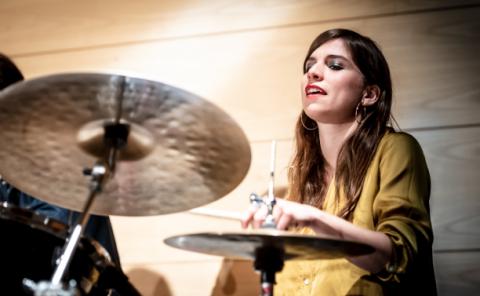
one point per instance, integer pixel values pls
(332, 137)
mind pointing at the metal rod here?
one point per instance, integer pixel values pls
(270, 202)
(98, 173)
(273, 151)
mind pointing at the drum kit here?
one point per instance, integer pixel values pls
(117, 145)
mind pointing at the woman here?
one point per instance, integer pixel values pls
(354, 178)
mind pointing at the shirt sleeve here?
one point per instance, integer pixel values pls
(401, 207)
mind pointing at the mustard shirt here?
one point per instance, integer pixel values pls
(395, 201)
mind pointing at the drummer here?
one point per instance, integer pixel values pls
(354, 177)
(98, 228)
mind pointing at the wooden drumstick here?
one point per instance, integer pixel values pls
(220, 214)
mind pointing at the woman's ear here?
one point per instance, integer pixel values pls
(370, 96)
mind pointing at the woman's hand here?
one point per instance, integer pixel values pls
(290, 214)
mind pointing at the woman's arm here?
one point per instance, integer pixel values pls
(288, 214)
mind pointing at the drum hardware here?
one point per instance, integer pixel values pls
(48, 289)
(116, 136)
(271, 201)
(55, 125)
(34, 241)
(147, 139)
(268, 248)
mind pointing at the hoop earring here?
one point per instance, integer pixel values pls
(306, 127)
(363, 113)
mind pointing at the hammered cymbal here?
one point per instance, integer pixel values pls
(245, 244)
(182, 151)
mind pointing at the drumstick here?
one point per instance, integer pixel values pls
(221, 214)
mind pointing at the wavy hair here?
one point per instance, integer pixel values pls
(307, 174)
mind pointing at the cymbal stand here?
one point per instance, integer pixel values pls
(268, 260)
(116, 135)
(270, 202)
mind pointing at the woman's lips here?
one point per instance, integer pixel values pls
(313, 90)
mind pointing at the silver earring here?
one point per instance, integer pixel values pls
(306, 127)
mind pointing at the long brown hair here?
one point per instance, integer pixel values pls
(307, 182)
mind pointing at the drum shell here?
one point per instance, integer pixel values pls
(30, 244)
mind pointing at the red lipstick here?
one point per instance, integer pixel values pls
(312, 89)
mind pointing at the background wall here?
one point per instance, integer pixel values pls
(245, 56)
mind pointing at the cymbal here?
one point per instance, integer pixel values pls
(182, 151)
(244, 245)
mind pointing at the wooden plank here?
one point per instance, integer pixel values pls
(236, 278)
(171, 279)
(457, 273)
(30, 26)
(254, 76)
(453, 159)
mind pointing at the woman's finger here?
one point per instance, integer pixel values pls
(247, 216)
(259, 217)
(284, 220)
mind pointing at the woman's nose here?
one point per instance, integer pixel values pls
(314, 73)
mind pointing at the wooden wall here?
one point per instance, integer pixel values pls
(245, 56)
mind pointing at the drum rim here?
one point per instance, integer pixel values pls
(12, 212)
(99, 258)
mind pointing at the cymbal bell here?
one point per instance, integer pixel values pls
(181, 152)
(245, 245)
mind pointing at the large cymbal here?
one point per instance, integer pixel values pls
(244, 245)
(182, 151)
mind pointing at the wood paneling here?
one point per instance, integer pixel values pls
(236, 278)
(168, 279)
(457, 273)
(453, 158)
(254, 76)
(245, 56)
(196, 278)
(29, 26)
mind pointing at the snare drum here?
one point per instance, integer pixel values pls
(29, 246)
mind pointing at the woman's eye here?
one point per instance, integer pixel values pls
(335, 66)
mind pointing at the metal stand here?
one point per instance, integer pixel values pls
(115, 138)
(271, 201)
(268, 260)
(98, 174)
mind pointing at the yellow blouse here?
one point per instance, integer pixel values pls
(395, 201)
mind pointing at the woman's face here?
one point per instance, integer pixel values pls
(332, 85)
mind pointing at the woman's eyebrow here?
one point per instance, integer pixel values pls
(336, 56)
(328, 57)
